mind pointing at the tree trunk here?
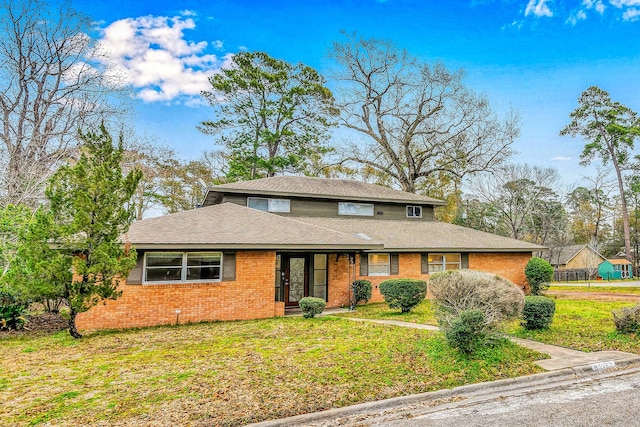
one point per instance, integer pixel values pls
(625, 212)
(73, 330)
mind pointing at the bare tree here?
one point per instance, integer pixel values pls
(417, 119)
(592, 260)
(49, 89)
(526, 198)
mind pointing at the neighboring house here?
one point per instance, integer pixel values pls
(573, 257)
(615, 268)
(256, 248)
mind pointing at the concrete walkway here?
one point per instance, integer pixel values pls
(560, 357)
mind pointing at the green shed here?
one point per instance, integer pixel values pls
(615, 269)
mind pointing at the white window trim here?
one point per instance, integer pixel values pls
(270, 202)
(445, 262)
(342, 204)
(413, 207)
(388, 273)
(183, 273)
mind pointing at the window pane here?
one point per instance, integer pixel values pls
(379, 264)
(320, 261)
(258, 203)
(319, 277)
(163, 274)
(320, 292)
(279, 205)
(361, 209)
(204, 259)
(164, 259)
(455, 266)
(453, 258)
(203, 273)
(436, 258)
(434, 268)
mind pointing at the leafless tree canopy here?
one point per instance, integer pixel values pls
(49, 89)
(526, 199)
(418, 119)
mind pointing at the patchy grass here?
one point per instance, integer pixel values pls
(594, 288)
(584, 324)
(231, 373)
(422, 313)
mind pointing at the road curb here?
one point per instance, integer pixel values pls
(509, 384)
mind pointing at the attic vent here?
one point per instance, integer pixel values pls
(362, 236)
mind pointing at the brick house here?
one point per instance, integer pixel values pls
(256, 248)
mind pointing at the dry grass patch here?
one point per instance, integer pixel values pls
(230, 373)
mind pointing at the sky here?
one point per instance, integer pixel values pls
(532, 56)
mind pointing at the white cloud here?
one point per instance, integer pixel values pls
(151, 54)
(218, 45)
(561, 158)
(580, 15)
(538, 8)
(631, 14)
(624, 3)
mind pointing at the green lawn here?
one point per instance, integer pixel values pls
(594, 288)
(423, 313)
(579, 322)
(585, 325)
(231, 373)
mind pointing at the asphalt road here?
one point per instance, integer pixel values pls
(613, 400)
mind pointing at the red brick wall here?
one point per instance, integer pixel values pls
(250, 296)
(508, 265)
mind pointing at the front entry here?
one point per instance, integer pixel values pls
(295, 275)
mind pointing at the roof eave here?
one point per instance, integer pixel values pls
(257, 247)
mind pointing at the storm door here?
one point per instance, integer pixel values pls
(295, 274)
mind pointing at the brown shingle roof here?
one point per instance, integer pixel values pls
(229, 225)
(408, 235)
(323, 188)
(562, 255)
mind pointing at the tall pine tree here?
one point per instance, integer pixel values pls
(90, 209)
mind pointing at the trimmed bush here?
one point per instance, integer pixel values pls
(12, 313)
(361, 291)
(311, 306)
(538, 312)
(404, 294)
(627, 319)
(539, 274)
(467, 331)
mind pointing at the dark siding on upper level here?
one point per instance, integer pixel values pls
(329, 208)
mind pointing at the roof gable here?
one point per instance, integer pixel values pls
(320, 188)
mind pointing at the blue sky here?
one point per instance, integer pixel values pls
(535, 56)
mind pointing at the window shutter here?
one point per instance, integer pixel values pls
(135, 275)
(424, 263)
(394, 268)
(364, 264)
(464, 260)
(229, 267)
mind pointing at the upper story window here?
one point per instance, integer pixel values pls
(414, 211)
(360, 209)
(269, 205)
(168, 267)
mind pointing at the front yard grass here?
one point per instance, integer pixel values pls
(595, 288)
(231, 373)
(584, 324)
(422, 313)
